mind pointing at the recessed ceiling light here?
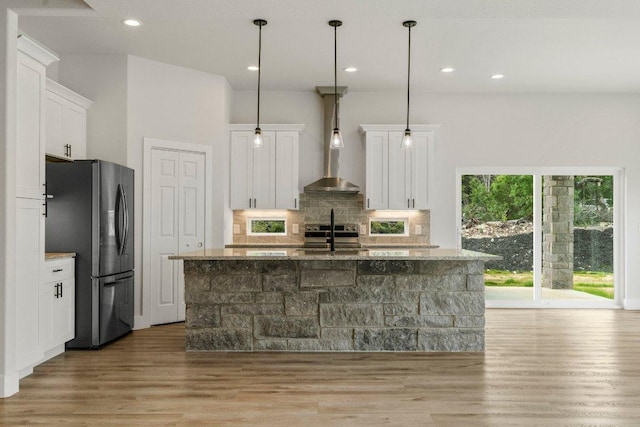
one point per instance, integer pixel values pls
(350, 69)
(497, 76)
(132, 22)
(252, 68)
(447, 69)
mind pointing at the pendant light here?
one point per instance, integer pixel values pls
(407, 141)
(257, 139)
(336, 142)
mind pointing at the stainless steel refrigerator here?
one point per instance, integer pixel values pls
(89, 211)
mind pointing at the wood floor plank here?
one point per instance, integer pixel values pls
(541, 367)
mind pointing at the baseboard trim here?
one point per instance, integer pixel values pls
(9, 385)
(140, 322)
(631, 304)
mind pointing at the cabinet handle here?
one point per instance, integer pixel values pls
(367, 203)
(69, 150)
(408, 204)
(60, 290)
(45, 204)
(295, 203)
(414, 202)
(254, 203)
(58, 270)
(249, 202)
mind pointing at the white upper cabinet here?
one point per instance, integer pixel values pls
(267, 177)
(287, 169)
(30, 132)
(397, 179)
(66, 122)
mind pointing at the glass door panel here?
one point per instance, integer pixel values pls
(497, 218)
(577, 238)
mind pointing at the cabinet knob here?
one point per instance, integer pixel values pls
(199, 244)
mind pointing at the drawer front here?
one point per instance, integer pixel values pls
(58, 269)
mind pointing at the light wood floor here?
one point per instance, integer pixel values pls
(541, 368)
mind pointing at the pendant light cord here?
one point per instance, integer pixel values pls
(408, 75)
(259, 71)
(335, 74)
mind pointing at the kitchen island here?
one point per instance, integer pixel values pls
(289, 299)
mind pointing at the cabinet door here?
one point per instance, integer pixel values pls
(400, 196)
(420, 167)
(54, 113)
(30, 128)
(64, 312)
(29, 256)
(46, 307)
(57, 303)
(287, 170)
(74, 123)
(240, 196)
(263, 170)
(377, 170)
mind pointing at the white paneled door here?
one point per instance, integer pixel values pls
(177, 226)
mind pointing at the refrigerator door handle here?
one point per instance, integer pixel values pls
(115, 282)
(126, 219)
(119, 231)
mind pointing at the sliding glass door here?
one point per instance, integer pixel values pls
(555, 229)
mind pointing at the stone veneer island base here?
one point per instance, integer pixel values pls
(286, 300)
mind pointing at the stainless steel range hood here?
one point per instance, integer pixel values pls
(330, 181)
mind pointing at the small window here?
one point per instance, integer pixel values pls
(389, 227)
(267, 227)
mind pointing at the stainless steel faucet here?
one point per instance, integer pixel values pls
(332, 234)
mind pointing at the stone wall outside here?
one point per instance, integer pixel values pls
(593, 250)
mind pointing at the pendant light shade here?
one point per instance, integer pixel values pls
(336, 142)
(407, 140)
(257, 138)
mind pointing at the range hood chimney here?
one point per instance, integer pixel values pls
(330, 181)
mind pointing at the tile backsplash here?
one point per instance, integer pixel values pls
(315, 208)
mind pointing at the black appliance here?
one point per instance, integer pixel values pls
(90, 212)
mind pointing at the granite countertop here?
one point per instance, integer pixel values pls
(403, 253)
(58, 255)
(364, 245)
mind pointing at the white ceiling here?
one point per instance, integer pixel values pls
(539, 45)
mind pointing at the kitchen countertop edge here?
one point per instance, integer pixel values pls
(58, 255)
(395, 253)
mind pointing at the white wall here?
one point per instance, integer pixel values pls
(8, 69)
(103, 80)
(481, 130)
(136, 98)
(177, 104)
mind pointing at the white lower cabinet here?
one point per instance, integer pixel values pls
(29, 257)
(57, 305)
